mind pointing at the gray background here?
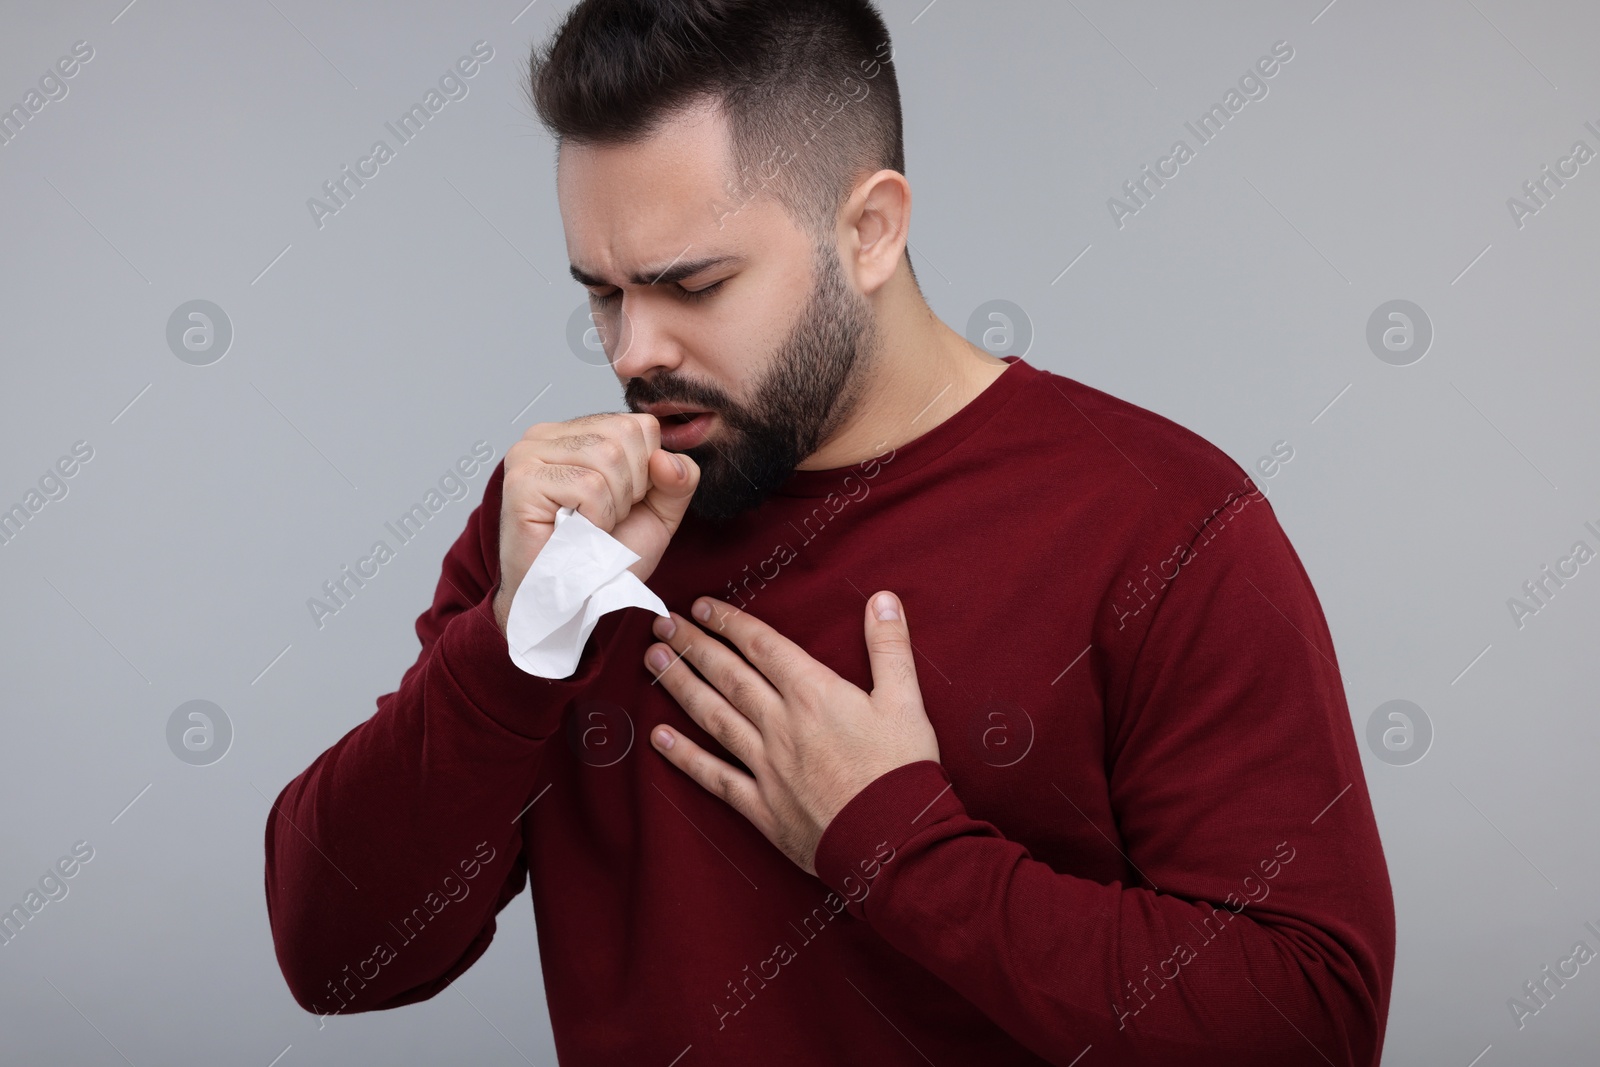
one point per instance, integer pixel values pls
(371, 353)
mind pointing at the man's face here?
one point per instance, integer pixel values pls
(776, 351)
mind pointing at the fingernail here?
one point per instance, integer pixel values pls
(886, 607)
(657, 658)
(663, 739)
(664, 627)
(683, 471)
(702, 611)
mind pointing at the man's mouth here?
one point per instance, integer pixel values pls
(685, 416)
(681, 432)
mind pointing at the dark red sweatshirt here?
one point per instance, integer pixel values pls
(1147, 834)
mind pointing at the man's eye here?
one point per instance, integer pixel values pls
(690, 295)
(700, 294)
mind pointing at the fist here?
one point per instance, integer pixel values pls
(610, 468)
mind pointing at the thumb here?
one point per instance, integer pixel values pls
(894, 671)
(671, 487)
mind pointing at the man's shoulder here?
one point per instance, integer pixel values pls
(1127, 452)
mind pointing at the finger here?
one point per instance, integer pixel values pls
(580, 486)
(673, 479)
(715, 776)
(894, 669)
(641, 435)
(615, 446)
(779, 660)
(732, 729)
(651, 427)
(615, 422)
(736, 682)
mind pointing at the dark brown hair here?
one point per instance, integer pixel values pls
(807, 86)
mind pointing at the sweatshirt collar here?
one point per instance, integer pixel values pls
(903, 459)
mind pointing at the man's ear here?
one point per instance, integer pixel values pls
(878, 218)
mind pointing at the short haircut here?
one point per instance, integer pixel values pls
(808, 89)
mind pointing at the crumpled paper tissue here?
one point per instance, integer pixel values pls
(580, 574)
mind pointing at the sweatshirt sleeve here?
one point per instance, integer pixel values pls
(389, 857)
(1256, 922)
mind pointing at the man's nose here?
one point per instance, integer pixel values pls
(635, 338)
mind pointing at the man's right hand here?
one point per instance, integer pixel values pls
(602, 465)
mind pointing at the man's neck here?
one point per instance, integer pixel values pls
(923, 373)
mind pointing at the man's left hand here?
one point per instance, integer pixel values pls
(811, 739)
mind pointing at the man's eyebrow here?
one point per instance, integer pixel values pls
(673, 272)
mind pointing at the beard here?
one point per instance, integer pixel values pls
(809, 388)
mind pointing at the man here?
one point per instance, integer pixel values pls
(1013, 731)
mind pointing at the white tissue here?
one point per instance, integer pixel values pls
(580, 574)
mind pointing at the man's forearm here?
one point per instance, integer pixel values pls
(411, 818)
(1063, 963)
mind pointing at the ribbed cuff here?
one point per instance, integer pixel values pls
(478, 658)
(864, 839)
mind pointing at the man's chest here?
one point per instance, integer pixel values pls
(1001, 635)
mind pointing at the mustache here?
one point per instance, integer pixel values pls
(638, 392)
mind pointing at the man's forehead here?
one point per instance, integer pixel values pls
(653, 211)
